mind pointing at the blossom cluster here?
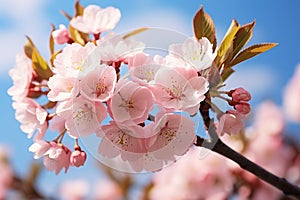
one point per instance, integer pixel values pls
(136, 117)
(142, 118)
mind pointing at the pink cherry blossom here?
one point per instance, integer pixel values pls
(61, 35)
(230, 123)
(31, 116)
(192, 53)
(60, 87)
(39, 148)
(174, 136)
(71, 61)
(57, 157)
(96, 20)
(7, 173)
(83, 117)
(291, 97)
(78, 158)
(142, 68)
(57, 124)
(243, 108)
(107, 190)
(240, 94)
(269, 119)
(99, 84)
(183, 179)
(114, 48)
(21, 75)
(124, 141)
(179, 89)
(74, 189)
(130, 102)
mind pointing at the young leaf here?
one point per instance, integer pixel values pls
(242, 37)
(28, 47)
(204, 27)
(251, 52)
(76, 36)
(226, 73)
(69, 17)
(226, 48)
(40, 66)
(78, 9)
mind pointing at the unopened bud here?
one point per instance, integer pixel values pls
(240, 94)
(243, 108)
(78, 158)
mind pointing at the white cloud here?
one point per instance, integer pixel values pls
(24, 18)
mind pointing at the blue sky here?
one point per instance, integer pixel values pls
(265, 75)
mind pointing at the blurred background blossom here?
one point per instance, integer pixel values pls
(268, 77)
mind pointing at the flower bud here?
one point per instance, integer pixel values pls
(78, 157)
(240, 94)
(61, 35)
(243, 108)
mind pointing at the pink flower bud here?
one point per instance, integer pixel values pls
(61, 35)
(78, 157)
(240, 94)
(243, 108)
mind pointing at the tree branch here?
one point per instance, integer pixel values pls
(216, 145)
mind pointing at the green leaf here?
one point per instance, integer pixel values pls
(204, 27)
(28, 47)
(40, 66)
(226, 48)
(51, 41)
(78, 9)
(251, 52)
(134, 32)
(241, 38)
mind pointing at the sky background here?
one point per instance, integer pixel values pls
(264, 76)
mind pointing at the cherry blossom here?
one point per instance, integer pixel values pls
(183, 179)
(99, 84)
(107, 189)
(142, 68)
(192, 53)
(74, 189)
(123, 141)
(113, 49)
(61, 35)
(31, 116)
(7, 173)
(130, 103)
(70, 62)
(39, 148)
(179, 89)
(61, 87)
(291, 97)
(269, 119)
(57, 157)
(230, 123)
(83, 117)
(96, 20)
(21, 75)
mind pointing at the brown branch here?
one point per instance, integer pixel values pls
(216, 145)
